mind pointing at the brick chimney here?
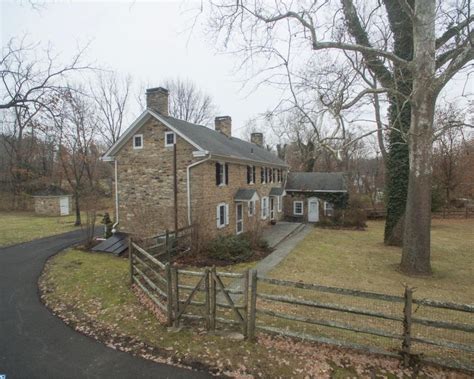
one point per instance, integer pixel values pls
(224, 125)
(257, 139)
(157, 100)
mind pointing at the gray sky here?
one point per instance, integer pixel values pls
(148, 40)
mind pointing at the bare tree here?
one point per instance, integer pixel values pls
(30, 81)
(187, 102)
(431, 43)
(111, 96)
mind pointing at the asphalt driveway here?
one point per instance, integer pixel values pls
(36, 344)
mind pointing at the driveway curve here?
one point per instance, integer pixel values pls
(36, 344)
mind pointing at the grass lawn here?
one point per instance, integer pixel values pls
(16, 227)
(360, 260)
(91, 292)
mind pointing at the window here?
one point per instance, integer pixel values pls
(169, 139)
(251, 208)
(222, 215)
(279, 175)
(280, 201)
(239, 218)
(328, 209)
(222, 174)
(298, 208)
(265, 169)
(264, 208)
(138, 141)
(262, 174)
(274, 175)
(250, 175)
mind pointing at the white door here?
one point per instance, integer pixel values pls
(64, 206)
(313, 209)
(239, 215)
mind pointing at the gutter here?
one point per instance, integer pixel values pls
(114, 226)
(188, 182)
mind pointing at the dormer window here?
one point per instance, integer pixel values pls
(138, 141)
(169, 139)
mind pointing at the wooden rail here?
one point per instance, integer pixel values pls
(253, 307)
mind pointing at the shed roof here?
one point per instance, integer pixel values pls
(245, 194)
(51, 191)
(316, 182)
(277, 191)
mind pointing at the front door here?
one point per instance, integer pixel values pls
(272, 208)
(239, 218)
(313, 209)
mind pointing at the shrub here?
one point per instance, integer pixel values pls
(230, 248)
(352, 217)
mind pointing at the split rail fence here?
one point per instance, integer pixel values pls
(400, 326)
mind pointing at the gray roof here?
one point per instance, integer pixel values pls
(244, 194)
(51, 191)
(219, 144)
(276, 191)
(316, 181)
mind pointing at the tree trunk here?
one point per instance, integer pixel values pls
(416, 247)
(78, 210)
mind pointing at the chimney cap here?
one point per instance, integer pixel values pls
(220, 118)
(157, 89)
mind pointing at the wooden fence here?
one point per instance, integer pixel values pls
(249, 303)
(466, 212)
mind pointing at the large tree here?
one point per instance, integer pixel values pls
(427, 44)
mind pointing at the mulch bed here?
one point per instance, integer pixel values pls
(202, 260)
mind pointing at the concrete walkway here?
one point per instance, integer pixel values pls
(275, 234)
(36, 344)
(284, 246)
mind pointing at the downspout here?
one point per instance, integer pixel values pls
(114, 226)
(188, 183)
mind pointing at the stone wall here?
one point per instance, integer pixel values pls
(290, 198)
(206, 195)
(47, 205)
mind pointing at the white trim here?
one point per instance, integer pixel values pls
(222, 174)
(114, 226)
(135, 147)
(264, 208)
(254, 202)
(280, 201)
(166, 139)
(294, 207)
(309, 216)
(218, 214)
(237, 218)
(271, 209)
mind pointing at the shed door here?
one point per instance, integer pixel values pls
(313, 210)
(64, 206)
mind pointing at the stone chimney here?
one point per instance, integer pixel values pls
(224, 125)
(257, 139)
(157, 100)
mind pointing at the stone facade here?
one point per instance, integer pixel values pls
(146, 191)
(50, 205)
(288, 204)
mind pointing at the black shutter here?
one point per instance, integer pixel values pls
(254, 169)
(226, 173)
(249, 175)
(218, 173)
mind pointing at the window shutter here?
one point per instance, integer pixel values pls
(227, 214)
(254, 169)
(218, 173)
(218, 216)
(226, 173)
(249, 175)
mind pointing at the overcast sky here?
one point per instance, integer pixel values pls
(150, 40)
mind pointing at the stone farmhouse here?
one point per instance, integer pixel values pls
(224, 185)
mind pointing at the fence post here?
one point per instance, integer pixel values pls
(174, 276)
(213, 299)
(252, 306)
(245, 287)
(208, 299)
(407, 312)
(167, 245)
(169, 292)
(130, 259)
